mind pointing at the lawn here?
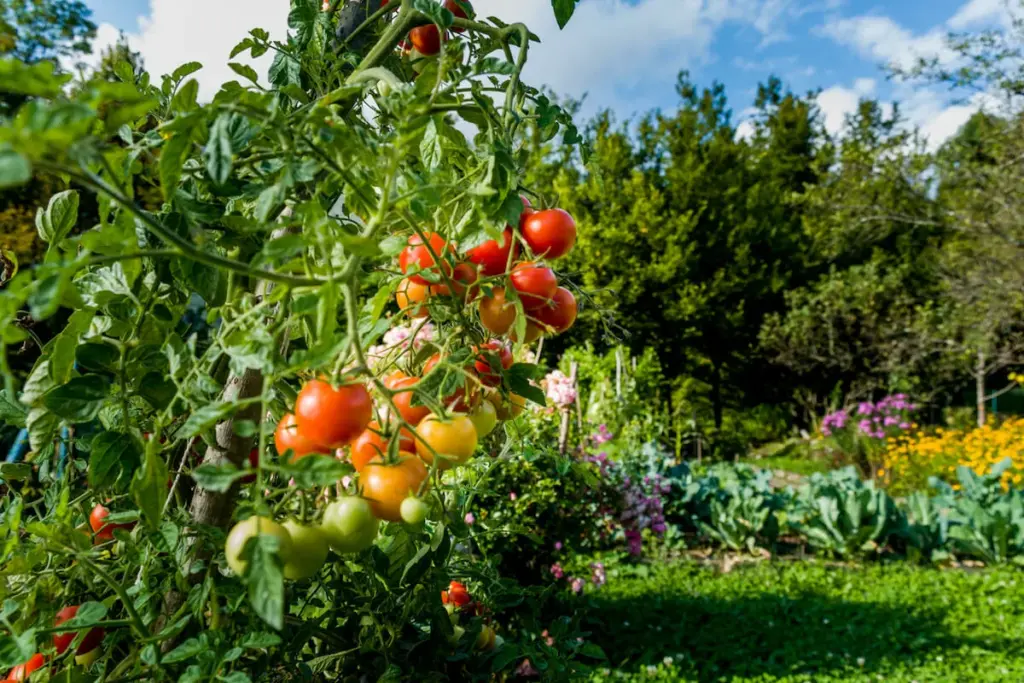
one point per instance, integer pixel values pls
(806, 621)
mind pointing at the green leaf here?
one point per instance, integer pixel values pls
(245, 71)
(563, 11)
(266, 580)
(593, 651)
(12, 412)
(314, 470)
(285, 70)
(36, 80)
(16, 649)
(505, 656)
(430, 146)
(218, 152)
(157, 390)
(113, 457)
(519, 376)
(149, 488)
(42, 428)
(436, 11)
(217, 478)
(187, 97)
(186, 69)
(80, 399)
(15, 471)
(172, 158)
(206, 417)
(88, 613)
(14, 168)
(193, 647)
(260, 640)
(236, 677)
(55, 222)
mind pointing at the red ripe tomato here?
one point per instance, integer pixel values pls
(550, 233)
(403, 400)
(560, 314)
(254, 462)
(332, 416)
(536, 284)
(287, 437)
(456, 8)
(426, 39)
(463, 276)
(61, 641)
(104, 532)
(496, 313)
(373, 444)
(417, 256)
(496, 352)
(411, 298)
(493, 258)
(23, 671)
(456, 595)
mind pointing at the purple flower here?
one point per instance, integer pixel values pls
(557, 571)
(864, 426)
(558, 545)
(577, 585)
(891, 421)
(904, 425)
(865, 408)
(470, 519)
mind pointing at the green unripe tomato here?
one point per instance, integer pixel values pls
(309, 551)
(484, 418)
(250, 528)
(349, 525)
(414, 510)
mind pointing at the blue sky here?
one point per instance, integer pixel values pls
(625, 53)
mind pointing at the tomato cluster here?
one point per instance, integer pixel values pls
(87, 652)
(427, 39)
(493, 271)
(457, 601)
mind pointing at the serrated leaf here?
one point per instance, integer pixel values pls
(217, 478)
(149, 489)
(265, 580)
(245, 71)
(113, 457)
(186, 69)
(80, 399)
(193, 647)
(430, 147)
(206, 417)
(314, 470)
(172, 158)
(218, 155)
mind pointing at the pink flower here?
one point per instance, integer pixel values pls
(577, 585)
(527, 669)
(558, 545)
(470, 519)
(557, 571)
(512, 495)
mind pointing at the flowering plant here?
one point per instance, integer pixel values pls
(860, 433)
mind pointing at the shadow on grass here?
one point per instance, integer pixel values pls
(793, 632)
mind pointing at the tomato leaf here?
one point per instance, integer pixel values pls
(218, 152)
(593, 651)
(172, 158)
(217, 478)
(11, 412)
(192, 647)
(80, 399)
(88, 613)
(113, 456)
(260, 640)
(313, 470)
(519, 376)
(206, 417)
(16, 649)
(436, 11)
(265, 580)
(149, 488)
(55, 222)
(186, 69)
(503, 657)
(563, 11)
(430, 146)
(14, 168)
(245, 71)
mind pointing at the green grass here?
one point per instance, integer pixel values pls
(790, 463)
(804, 621)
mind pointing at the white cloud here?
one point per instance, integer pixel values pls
(838, 102)
(976, 12)
(881, 39)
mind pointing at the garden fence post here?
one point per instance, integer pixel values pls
(563, 430)
(618, 373)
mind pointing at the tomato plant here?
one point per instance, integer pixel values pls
(218, 270)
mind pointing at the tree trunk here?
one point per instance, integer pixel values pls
(716, 393)
(979, 387)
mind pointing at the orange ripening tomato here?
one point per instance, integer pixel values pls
(288, 438)
(497, 314)
(411, 298)
(536, 284)
(454, 440)
(386, 486)
(560, 314)
(493, 258)
(104, 532)
(403, 400)
(550, 233)
(332, 416)
(373, 444)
